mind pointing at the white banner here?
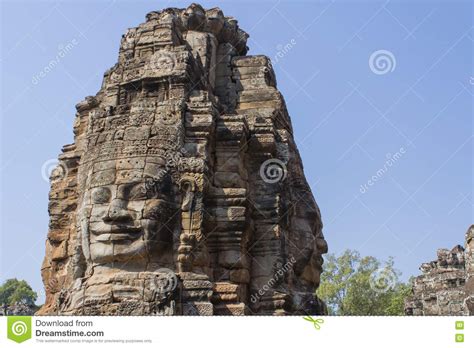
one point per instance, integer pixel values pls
(239, 332)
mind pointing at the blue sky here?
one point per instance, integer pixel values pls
(348, 120)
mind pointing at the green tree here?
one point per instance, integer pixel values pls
(14, 292)
(355, 285)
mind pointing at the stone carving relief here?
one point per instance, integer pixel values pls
(162, 209)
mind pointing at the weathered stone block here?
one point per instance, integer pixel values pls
(445, 288)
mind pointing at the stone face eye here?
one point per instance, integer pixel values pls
(137, 192)
(101, 195)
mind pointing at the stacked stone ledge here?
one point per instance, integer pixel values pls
(159, 206)
(446, 286)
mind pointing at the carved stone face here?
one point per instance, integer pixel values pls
(127, 214)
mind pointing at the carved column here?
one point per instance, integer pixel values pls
(193, 257)
(229, 236)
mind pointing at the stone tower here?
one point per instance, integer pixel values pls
(446, 286)
(183, 192)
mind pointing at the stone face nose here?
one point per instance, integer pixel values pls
(322, 245)
(118, 212)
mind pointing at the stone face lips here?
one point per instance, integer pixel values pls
(446, 286)
(183, 192)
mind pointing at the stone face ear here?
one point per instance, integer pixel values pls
(187, 200)
(187, 188)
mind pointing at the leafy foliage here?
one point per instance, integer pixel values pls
(355, 285)
(14, 292)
